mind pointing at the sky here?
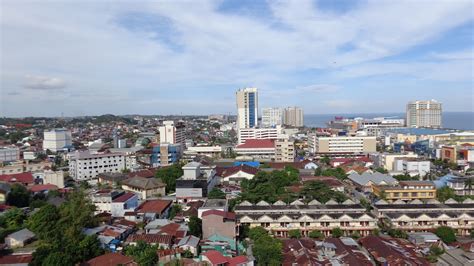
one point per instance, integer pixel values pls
(76, 58)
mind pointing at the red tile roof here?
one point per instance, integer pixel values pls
(170, 229)
(124, 197)
(239, 260)
(24, 178)
(39, 188)
(111, 259)
(257, 143)
(226, 215)
(154, 206)
(225, 172)
(147, 173)
(215, 257)
(16, 259)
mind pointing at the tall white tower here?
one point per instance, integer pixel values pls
(247, 108)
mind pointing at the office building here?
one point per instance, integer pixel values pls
(85, 166)
(258, 133)
(57, 140)
(424, 114)
(293, 117)
(173, 133)
(165, 154)
(272, 117)
(247, 108)
(343, 145)
(9, 154)
(284, 150)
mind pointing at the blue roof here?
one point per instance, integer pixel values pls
(419, 131)
(252, 164)
(441, 182)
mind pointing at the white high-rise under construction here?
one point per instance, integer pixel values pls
(424, 114)
(247, 108)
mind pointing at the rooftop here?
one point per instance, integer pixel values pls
(257, 143)
(154, 206)
(143, 183)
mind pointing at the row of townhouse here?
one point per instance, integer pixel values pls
(418, 216)
(279, 217)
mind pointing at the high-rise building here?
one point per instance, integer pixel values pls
(247, 108)
(424, 114)
(293, 116)
(272, 117)
(57, 139)
(173, 133)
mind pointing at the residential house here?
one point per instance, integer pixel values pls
(112, 179)
(126, 202)
(235, 174)
(162, 241)
(197, 180)
(154, 209)
(219, 222)
(111, 259)
(281, 217)
(102, 199)
(190, 243)
(392, 251)
(145, 187)
(25, 179)
(19, 238)
(364, 182)
(213, 204)
(215, 258)
(16, 259)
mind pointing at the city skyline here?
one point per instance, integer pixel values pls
(189, 58)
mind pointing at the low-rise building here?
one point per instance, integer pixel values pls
(386, 160)
(285, 150)
(416, 216)
(54, 178)
(412, 166)
(197, 180)
(365, 181)
(406, 190)
(343, 144)
(145, 187)
(154, 209)
(259, 149)
(213, 204)
(235, 174)
(102, 199)
(217, 222)
(9, 154)
(280, 217)
(124, 203)
(19, 238)
(392, 251)
(210, 151)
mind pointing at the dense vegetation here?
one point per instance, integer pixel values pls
(60, 232)
(216, 193)
(321, 192)
(142, 253)
(266, 249)
(168, 175)
(336, 172)
(446, 233)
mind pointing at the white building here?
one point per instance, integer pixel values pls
(210, 151)
(412, 166)
(9, 154)
(247, 107)
(424, 114)
(387, 160)
(272, 117)
(258, 133)
(85, 166)
(54, 177)
(196, 182)
(173, 133)
(343, 144)
(57, 139)
(377, 126)
(131, 160)
(293, 116)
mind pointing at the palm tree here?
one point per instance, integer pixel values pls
(469, 183)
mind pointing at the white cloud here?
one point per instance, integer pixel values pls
(44, 83)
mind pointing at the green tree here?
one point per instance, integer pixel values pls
(325, 160)
(446, 234)
(294, 233)
(142, 253)
(195, 226)
(321, 192)
(175, 209)
(337, 232)
(316, 234)
(44, 223)
(355, 235)
(168, 175)
(187, 254)
(19, 196)
(445, 193)
(216, 193)
(257, 232)
(469, 183)
(472, 233)
(397, 233)
(381, 170)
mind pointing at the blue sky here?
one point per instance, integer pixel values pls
(189, 57)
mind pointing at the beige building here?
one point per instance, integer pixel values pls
(145, 187)
(247, 108)
(173, 133)
(19, 167)
(280, 217)
(284, 150)
(424, 114)
(386, 160)
(344, 144)
(54, 177)
(293, 116)
(218, 222)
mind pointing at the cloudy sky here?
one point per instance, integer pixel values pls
(189, 57)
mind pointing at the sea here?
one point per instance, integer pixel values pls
(451, 120)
